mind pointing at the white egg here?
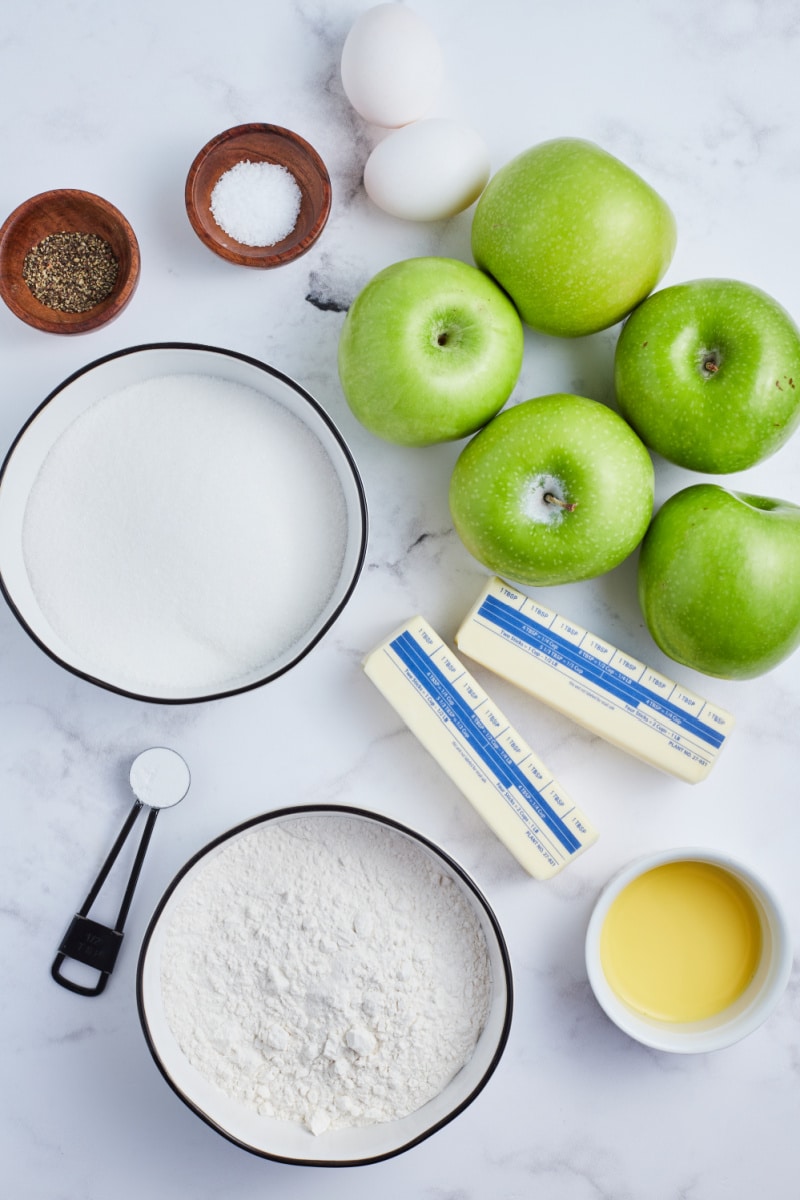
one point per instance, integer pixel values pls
(391, 65)
(427, 171)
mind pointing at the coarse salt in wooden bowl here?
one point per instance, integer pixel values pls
(66, 211)
(257, 143)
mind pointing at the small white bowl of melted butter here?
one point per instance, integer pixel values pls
(688, 950)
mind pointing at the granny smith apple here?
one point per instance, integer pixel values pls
(552, 490)
(574, 236)
(429, 351)
(719, 580)
(708, 374)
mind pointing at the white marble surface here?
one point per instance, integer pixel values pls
(117, 98)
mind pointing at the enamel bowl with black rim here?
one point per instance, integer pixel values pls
(179, 523)
(270, 1136)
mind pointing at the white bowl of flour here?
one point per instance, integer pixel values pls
(324, 986)
(179, 523)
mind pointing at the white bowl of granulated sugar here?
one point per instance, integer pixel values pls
(324, 987)
(179, 523)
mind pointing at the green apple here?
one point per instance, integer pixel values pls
(708, 374)
(719, 580)
(430, 350)
(574, 236)
(552, 490)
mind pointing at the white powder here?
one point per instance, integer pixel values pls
(183, 533)
(256, 203)
(325, 970)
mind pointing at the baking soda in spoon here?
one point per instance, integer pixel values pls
(183, 533)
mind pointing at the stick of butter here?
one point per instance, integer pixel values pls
(482, 753)
(594, 683)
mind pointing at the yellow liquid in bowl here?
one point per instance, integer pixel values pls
(681, 942)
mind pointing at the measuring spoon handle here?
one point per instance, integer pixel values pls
(87, 941)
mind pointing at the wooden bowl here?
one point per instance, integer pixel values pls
(65, 211)
(259, 144)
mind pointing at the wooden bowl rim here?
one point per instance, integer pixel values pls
(51, 321)
(263, 257)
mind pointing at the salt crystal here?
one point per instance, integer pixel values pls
(257, 204)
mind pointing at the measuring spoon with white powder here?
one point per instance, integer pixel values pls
(159, 779)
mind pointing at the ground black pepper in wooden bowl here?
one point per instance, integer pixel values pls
(69, 261)
(70, 272)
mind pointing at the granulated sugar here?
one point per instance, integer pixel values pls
(256, 203)
(183, 533)
(325, 970)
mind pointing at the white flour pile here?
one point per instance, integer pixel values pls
(183, 533)
(325, 970)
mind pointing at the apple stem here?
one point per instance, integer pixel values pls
(709, 362)
(549, 498)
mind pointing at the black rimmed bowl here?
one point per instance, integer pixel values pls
(285, 1141)
(59, 413)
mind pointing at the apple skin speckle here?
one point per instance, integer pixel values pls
(719, 580)
(430, 350)
(716, 420)
(597, 462)
(574, 236)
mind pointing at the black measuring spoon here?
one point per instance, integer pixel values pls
(159, 779)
